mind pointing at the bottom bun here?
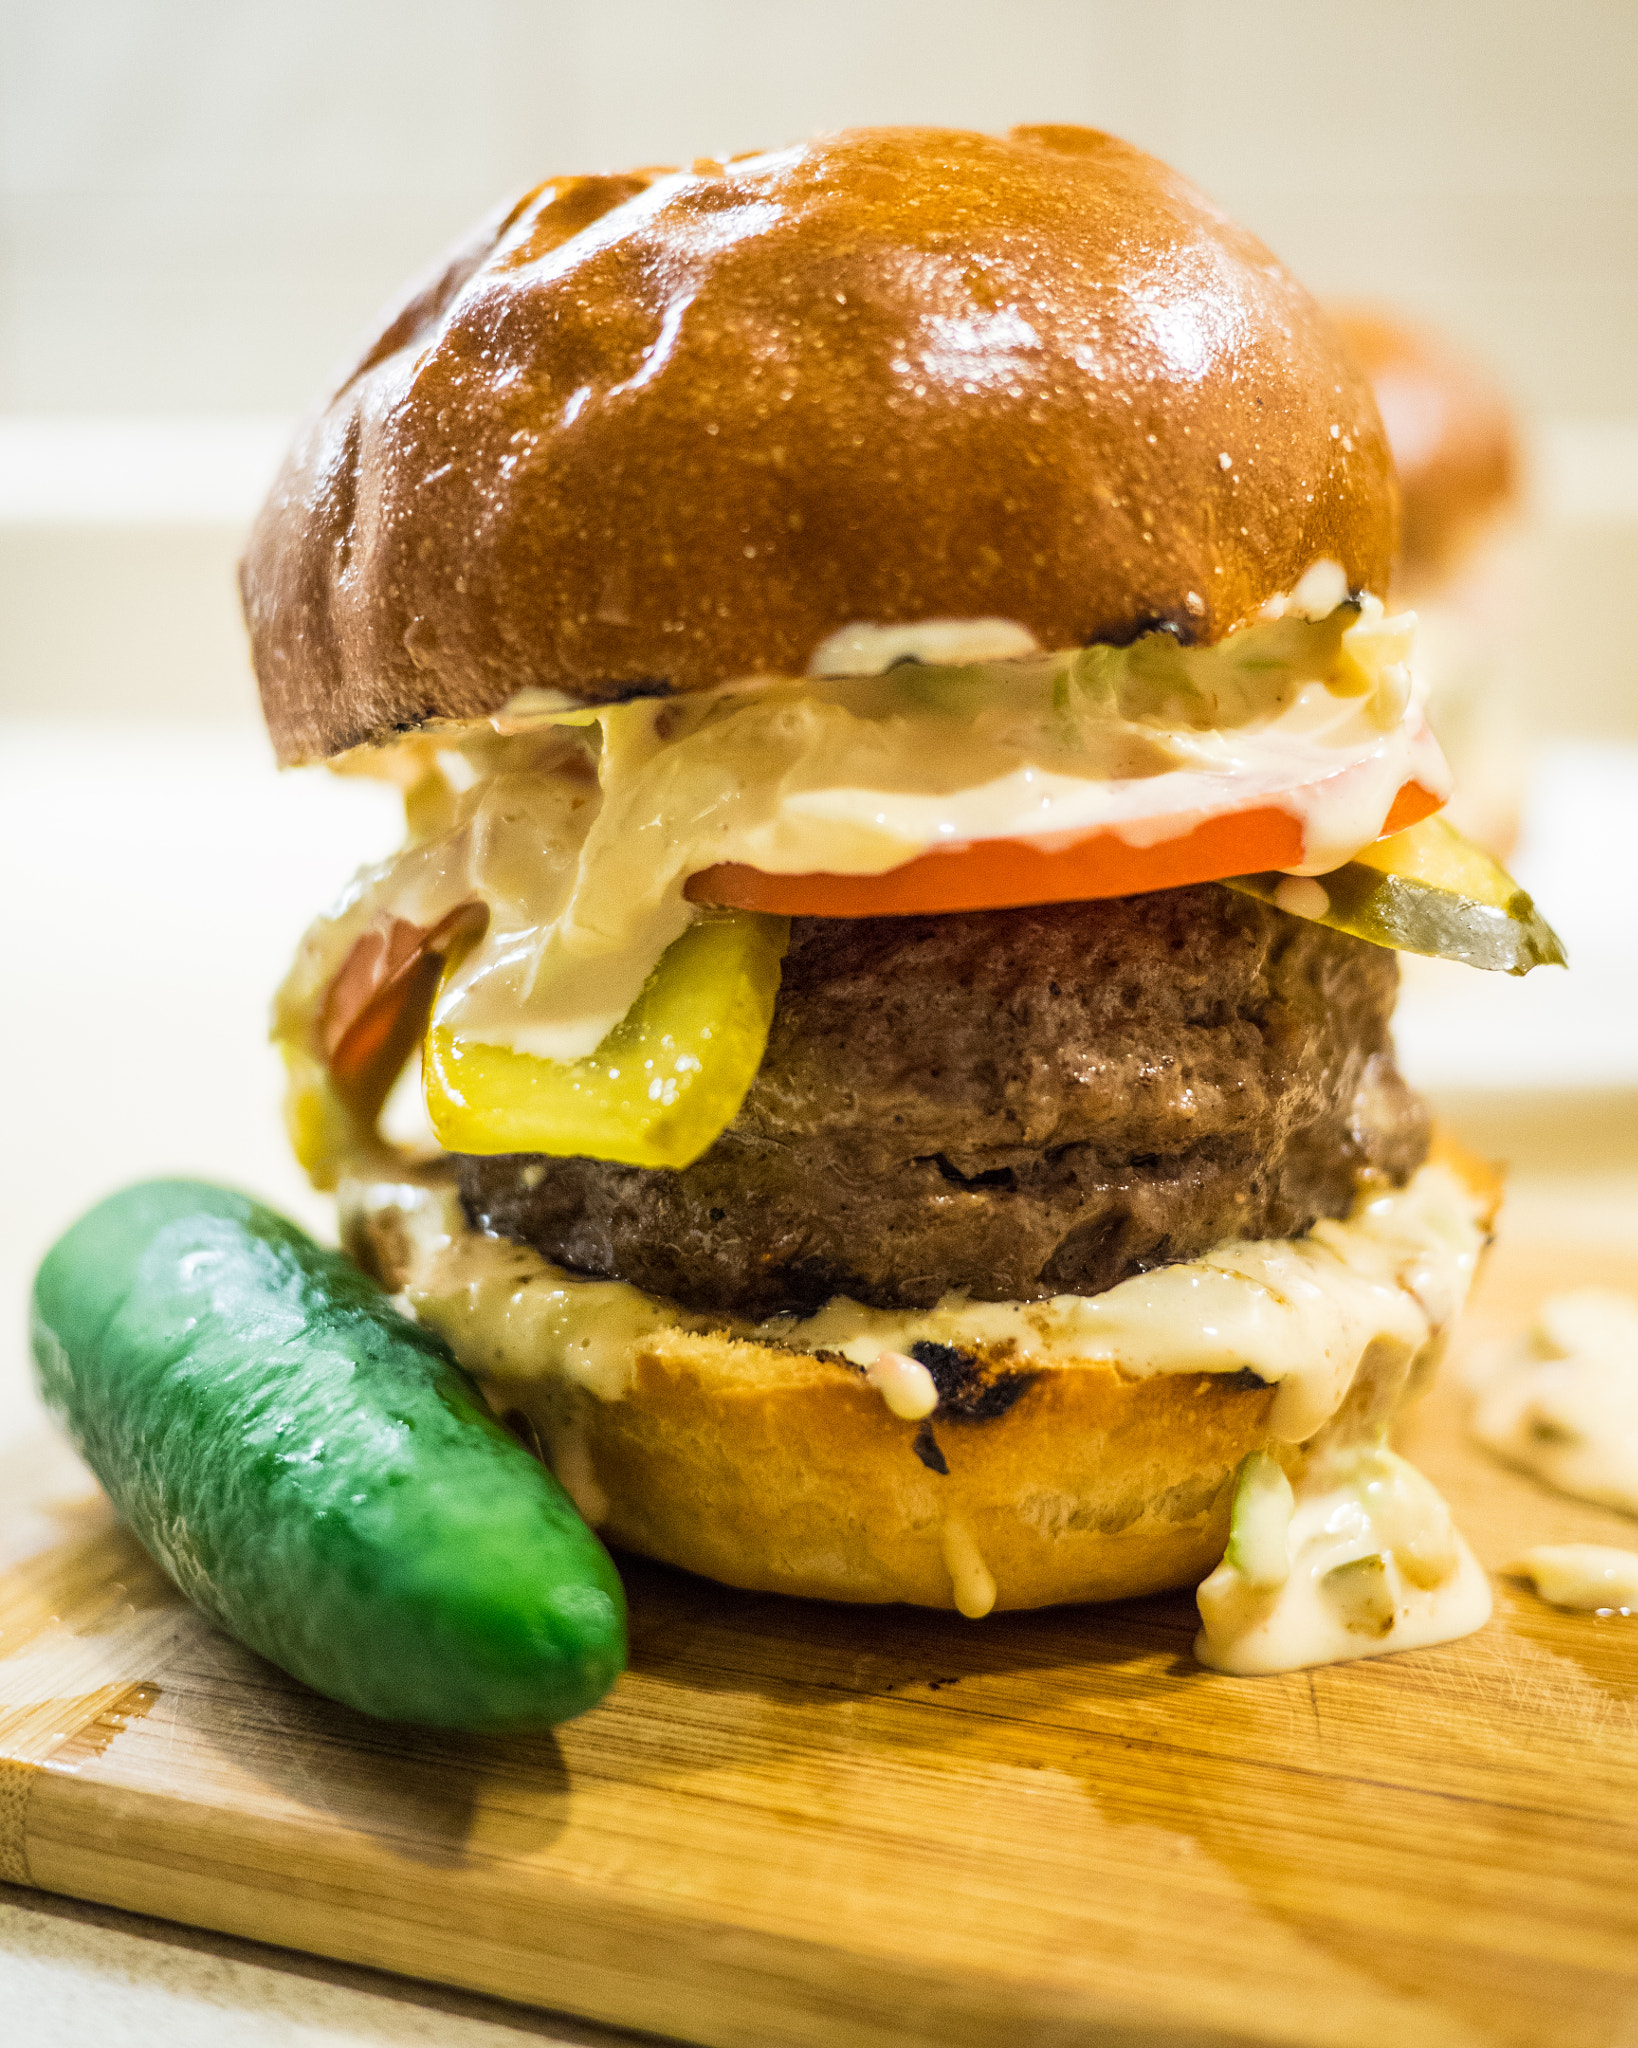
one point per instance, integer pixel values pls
(1043, 1476)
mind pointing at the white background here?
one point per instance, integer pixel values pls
(204, 200)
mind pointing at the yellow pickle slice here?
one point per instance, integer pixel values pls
(660, 1089)
(1427, 890)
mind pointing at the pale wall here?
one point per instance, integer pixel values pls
(201, 204)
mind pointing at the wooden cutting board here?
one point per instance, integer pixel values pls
(811, 1824)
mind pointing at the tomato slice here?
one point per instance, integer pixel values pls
(376, 1007)
(999, 874)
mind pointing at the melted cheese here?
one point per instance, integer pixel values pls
(1302, 1312)
(1595, 1577)
(579, 828)
(970, 1580)
(1562, 1402)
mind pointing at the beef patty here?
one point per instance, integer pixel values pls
(1017, 1103)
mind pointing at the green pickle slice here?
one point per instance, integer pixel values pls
(660, 1089)
(1428, 890)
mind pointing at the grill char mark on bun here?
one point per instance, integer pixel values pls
(782, 1469)
(1119, 1084)
(885, 376)
(966, 1393)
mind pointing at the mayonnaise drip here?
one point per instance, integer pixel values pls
(1562, 1401)
(1305, 1312)
(1358, 1558)
(579, 828)
(1366, 1562)
(905, 1385)
(873, 650)
(971, 1581)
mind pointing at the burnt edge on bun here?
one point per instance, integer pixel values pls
(661, 430)
(1012, 1104)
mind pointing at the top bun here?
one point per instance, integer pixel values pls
(1451, 431)
(651, 432)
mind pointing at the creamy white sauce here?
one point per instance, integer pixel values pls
(1300, 896)
(1302, 1312)
(1595, 1577)
(1562, 1402)
(1358, 1560)
(579, 829)
(873, 650)
(1322, 587)
(1299, 1311)
(905, 1385)
(572, 1462)
(970, 1579)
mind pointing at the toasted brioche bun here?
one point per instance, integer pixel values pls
(647, 433)
(1451, 430)
(782, 1471)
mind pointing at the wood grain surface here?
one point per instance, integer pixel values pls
(811, 1824)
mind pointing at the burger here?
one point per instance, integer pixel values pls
(879, 641)
(1455, 446)
(1452, 436)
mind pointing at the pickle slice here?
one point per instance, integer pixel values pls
(660, 1089)
(1260, 1523)
(1428, 890)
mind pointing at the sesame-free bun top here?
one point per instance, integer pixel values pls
(650, 432)
(1451, 431)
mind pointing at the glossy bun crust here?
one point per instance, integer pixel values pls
(1451, 430)
(650, 432)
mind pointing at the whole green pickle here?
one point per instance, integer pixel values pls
(314, 1471)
